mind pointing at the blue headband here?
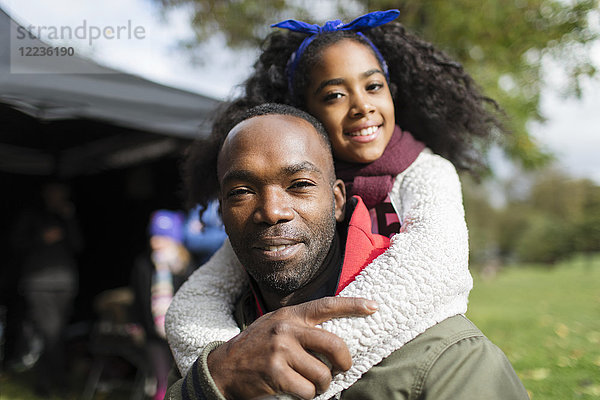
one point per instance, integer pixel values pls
(367, 21)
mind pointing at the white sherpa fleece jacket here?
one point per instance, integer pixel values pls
(422, 279)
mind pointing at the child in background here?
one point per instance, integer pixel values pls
(370, 83)
(203, 234)
(157, 275)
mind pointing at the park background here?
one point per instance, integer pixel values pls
(534, 218)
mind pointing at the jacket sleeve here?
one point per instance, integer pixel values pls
(202, 309)
(472, 368)
(422, 279)
(197, 383)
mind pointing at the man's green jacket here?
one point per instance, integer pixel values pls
(451, 360)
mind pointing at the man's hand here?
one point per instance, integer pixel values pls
(273, 355)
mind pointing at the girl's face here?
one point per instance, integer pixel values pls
(349, 94)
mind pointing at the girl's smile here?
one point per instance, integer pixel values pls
(349, 94)
(364, 135)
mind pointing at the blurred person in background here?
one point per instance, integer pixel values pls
(47, 241)
(157, 274)
(204, 234)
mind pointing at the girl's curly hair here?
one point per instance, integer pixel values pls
(434, 98)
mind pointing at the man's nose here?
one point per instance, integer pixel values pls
(274, 207)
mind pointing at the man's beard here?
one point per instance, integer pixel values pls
(286, 276)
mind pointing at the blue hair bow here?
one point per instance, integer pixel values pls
(367, 21)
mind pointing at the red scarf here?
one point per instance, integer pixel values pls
(373, 181)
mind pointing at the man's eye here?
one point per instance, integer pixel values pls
(238, 192)
(302, 185)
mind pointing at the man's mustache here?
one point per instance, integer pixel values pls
(278, 231)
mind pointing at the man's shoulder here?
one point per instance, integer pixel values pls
(448, 331)
(452, 359)
(423, 351)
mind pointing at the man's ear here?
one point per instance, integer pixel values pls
(339, 196)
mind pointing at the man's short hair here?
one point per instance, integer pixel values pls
(283, 109)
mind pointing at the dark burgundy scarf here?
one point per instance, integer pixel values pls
(373, 181)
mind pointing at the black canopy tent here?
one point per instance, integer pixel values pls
(138, 112)
(114, 137)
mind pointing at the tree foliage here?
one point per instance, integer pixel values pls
(500, 42)
(556, 217)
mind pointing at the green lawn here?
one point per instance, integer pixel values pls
(547, 321)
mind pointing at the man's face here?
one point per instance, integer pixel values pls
(279, 199)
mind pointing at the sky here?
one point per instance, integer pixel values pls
(571, 132)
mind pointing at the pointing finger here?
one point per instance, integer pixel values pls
(321, 310)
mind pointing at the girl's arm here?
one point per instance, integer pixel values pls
(422, 279)
(202, 309)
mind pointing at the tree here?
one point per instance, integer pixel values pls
(556, 218)
(545, 239)
(501, 43)
(482, 221)
(587, 225)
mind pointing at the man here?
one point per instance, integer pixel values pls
(47, 242)
(280, 204)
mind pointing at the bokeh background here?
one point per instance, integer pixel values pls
(534, 217)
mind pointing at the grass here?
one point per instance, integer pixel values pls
(547, 321)
(19, 386)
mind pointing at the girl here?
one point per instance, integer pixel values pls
(370, 83)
